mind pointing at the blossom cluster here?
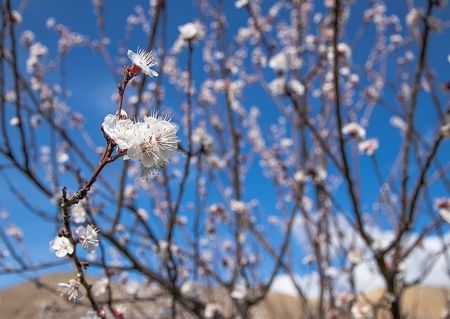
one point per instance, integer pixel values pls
(152, 141)
(87, 237)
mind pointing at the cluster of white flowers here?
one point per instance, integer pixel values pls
(87, 236)
(153, 141)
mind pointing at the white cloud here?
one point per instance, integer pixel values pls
(428, 259)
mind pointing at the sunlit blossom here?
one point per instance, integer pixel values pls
(143, 61)
(154, 142)
(61, 246)
(120, 130)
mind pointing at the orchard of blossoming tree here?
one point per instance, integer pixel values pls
(222, 158)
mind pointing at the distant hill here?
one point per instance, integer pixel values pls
(27, 301)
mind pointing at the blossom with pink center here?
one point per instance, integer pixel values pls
(142, 61)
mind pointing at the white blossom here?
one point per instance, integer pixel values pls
(354, 129)
(163, 249)
(16, 17)
(443, 205)
(239, 292)
(238, 206)
(14, 232)
(191, 31)
(189, 288)
(212, 310)
(240, 3)
(398, 123)
(297, 86)
(278, 62)
(361, 311)
(88, 237)
(344, 49)
(154, 142)
(78, 213)
(120, 130)
(71, 290)
(368, 146)
(61, 246)
(300, 176)
(144, 61)
(14, 121)
(413, 17)
(276, 86)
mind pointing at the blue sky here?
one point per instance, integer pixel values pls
(92, 85)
